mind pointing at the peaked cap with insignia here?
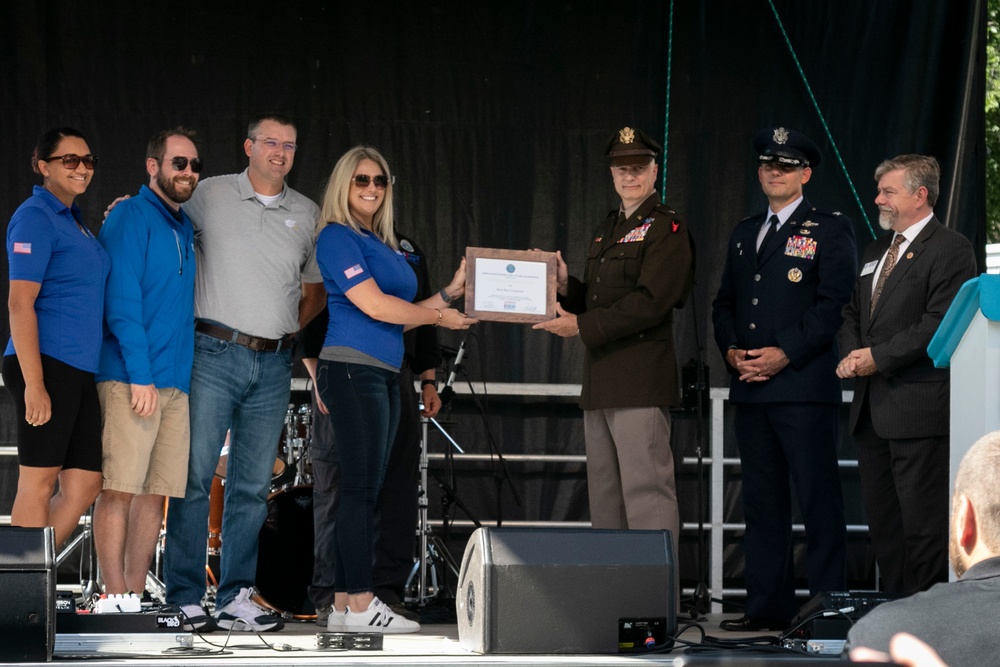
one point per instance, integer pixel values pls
(631, 146)
(786, 146)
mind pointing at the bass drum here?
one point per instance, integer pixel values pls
(285, 554)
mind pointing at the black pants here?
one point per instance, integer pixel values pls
(395, 513)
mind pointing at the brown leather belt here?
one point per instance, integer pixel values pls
(255, 343)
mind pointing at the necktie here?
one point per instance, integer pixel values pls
(887, 267)
(768, 235)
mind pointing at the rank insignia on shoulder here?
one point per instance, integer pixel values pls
(406, 245)
(795, 275)
(637, 234)
(800, 246)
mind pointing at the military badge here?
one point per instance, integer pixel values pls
(810, 223)
(800, 246)
(780, 135)
(406, 245)
(674, 226)
(626, 135)
(637, 234)
(805, 231)
(795, 275)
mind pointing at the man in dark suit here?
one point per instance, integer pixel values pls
(900, 413)
(788, 274)
(957, 619)
(639, 268)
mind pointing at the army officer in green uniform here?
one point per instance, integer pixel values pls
(639, 268)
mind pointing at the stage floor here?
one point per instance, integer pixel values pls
(433, 645)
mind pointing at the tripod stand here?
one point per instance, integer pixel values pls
(423, 586)
(88, 556)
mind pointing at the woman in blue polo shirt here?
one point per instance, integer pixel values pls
(57, 276)
(369, 286)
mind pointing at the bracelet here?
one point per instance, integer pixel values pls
(424, 383)
(439, 317)
(444, 296)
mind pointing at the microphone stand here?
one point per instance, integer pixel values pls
(446, 395)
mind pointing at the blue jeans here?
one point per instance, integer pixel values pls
(364, 410)
(246, 392)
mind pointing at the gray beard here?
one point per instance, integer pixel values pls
(885, 221)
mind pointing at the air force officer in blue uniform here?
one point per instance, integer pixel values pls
(789, 272)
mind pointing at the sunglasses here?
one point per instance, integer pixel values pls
(180, 163)
(72, 160)
(380, 181)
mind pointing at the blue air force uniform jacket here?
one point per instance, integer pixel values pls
(791, 298)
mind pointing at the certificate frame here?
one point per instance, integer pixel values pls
(480, 280)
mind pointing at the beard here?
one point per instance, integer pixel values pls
(169, 187)
(885, 219)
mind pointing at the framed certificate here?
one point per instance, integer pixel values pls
(510, 285)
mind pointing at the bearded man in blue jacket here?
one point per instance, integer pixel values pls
(144, 375)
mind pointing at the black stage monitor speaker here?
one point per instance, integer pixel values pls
(563, 590)
(27, 594)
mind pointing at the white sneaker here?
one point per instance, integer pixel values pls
(195, 619)
(243, 614)
(335, 621)
(378, 618)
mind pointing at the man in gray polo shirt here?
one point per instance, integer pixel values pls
(257, 284)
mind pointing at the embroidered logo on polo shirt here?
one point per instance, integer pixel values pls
(22, 248)
(290, 223)
(355, 270)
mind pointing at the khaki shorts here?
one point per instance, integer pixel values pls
(144, 455)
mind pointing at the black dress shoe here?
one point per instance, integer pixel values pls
(750, 624)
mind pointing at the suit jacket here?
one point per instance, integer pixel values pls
(957, 619)
(637, 273)
(908, 397)
(791, 298)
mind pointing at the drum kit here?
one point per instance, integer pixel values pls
(285, 544)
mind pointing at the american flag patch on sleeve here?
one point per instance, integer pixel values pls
(355, 270)
(22, 248)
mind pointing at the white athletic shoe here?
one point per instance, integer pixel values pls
(377, 618)
(243, 614)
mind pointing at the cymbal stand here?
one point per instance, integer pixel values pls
(433, 552)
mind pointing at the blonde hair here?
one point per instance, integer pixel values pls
(336, 207)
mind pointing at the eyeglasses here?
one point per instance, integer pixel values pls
(380, 181)
(180, 163)
(273, 144)
(72, 160)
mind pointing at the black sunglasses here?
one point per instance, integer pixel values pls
(72, 160)
(180, 163)
(362, 181)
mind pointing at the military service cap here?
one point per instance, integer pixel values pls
(629, 146)
(785, 146)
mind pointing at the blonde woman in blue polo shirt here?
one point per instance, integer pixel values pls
(57, 276)
(369, 286)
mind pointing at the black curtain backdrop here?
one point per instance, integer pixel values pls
(494, 115)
